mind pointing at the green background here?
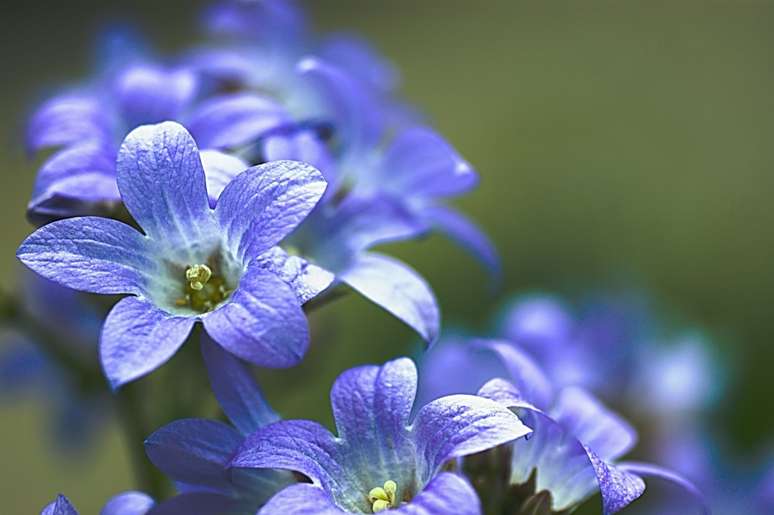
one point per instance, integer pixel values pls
(619, 143)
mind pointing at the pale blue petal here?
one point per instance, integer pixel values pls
(398, 289)
(97, 255)
(459, 425)
(128, 503)
(601, 430)
(161, 180)
(306, 280)
(219, 170)
(265, 203)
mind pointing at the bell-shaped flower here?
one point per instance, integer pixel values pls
(381, 459)
(191, 262)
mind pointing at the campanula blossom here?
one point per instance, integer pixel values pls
(576, 439)
(197, 453)
(192, 263)
(126, 503)
(574, 449)
(381, 459)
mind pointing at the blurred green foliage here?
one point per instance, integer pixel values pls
(619, 143)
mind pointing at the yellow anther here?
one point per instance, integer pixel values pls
(391, 487)
(377, 494)
(197, 276)
(380, 505)
(383, 498)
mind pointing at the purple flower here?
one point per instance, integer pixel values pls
(193, 263)
(381, 459)
(573, 451)
(196, 453)
(421, 170)
(126, 503)
(575, 439)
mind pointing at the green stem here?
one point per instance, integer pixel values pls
(135, 428)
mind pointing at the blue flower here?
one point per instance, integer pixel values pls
(126, 503)
(193, 263)
(196, 453)
(575, 441)
(381, 459)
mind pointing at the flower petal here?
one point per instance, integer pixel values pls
(91, 254)
(128, 503)
(262, 322)
(137, 338)
(302, 446)
(371, 407)
(445, 493)
(198, 503)
(236, 390)
(462, 230)
(60, 506)
(619, 488)
(558, 460)
(419, 163)
(66, 170)
(598, 428)
(526, 375)
(306, 280)
(194, 451)
(161, 180)
(649, 470)
(219, 170)
(151, 94)
(301, 499)
(458, 425)
(232, 121)
(397, 288)
(265, 203)
(68, 119)
(345, 101)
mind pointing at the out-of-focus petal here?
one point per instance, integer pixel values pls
(219, 170)
(151, 94)
(463, 231)
(236, 390)
(194, 451)
(128, 503)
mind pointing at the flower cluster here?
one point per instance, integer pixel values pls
(225, 193)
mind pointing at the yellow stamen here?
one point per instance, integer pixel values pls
(383, 498)
(197, 276)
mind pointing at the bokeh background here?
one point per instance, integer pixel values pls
(620, 144)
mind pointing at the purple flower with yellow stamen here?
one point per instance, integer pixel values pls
(381, 459)
(193, 263)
